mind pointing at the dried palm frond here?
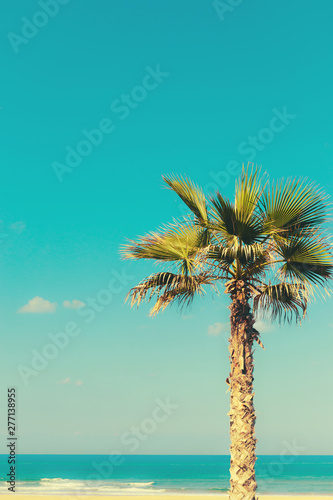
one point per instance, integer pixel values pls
(284, 301)
(167, 287)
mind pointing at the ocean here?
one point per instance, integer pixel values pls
(160, 474)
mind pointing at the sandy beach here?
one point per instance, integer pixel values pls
(159, 497)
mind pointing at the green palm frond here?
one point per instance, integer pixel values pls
(224, 255)
(260, 264)
(248, 194)
(191, 194)
(294, 206)
(284, 301)
(229, 227)
(245, 253)
(168, 287)
(307, 260)
(267, 233)
(223, 219)
(177, 243)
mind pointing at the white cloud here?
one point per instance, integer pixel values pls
(263, 327)
(74, 304)
(68, 381)
(217, 328)
(38, 305)
(65, 381)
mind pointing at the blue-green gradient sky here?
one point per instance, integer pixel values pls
(221, 82)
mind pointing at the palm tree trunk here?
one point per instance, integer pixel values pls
(242, 416)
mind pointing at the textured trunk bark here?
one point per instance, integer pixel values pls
(242, 416)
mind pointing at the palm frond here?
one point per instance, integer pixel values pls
(307, 259)
(223, 219)
(168, 287)
(293, 207)
(265, 231)
(177, 243)
(284, 301)
(226, 224)
(260, 264)
(191, 194)
(245, 253)
(248, 194)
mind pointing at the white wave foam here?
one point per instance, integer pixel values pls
(59, 486)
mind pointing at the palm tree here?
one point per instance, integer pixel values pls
(269, 249)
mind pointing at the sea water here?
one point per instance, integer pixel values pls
(162, 474)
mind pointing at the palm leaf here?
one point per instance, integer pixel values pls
(191, 194)
(226, 223)
(248, 194)
(177, 243)
(245, 253)
(260, 264)
(308, 260)
(168, 287)
(245, 240)
(283, 301)
(294, 207)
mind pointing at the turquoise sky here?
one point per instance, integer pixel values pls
(175, 87)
